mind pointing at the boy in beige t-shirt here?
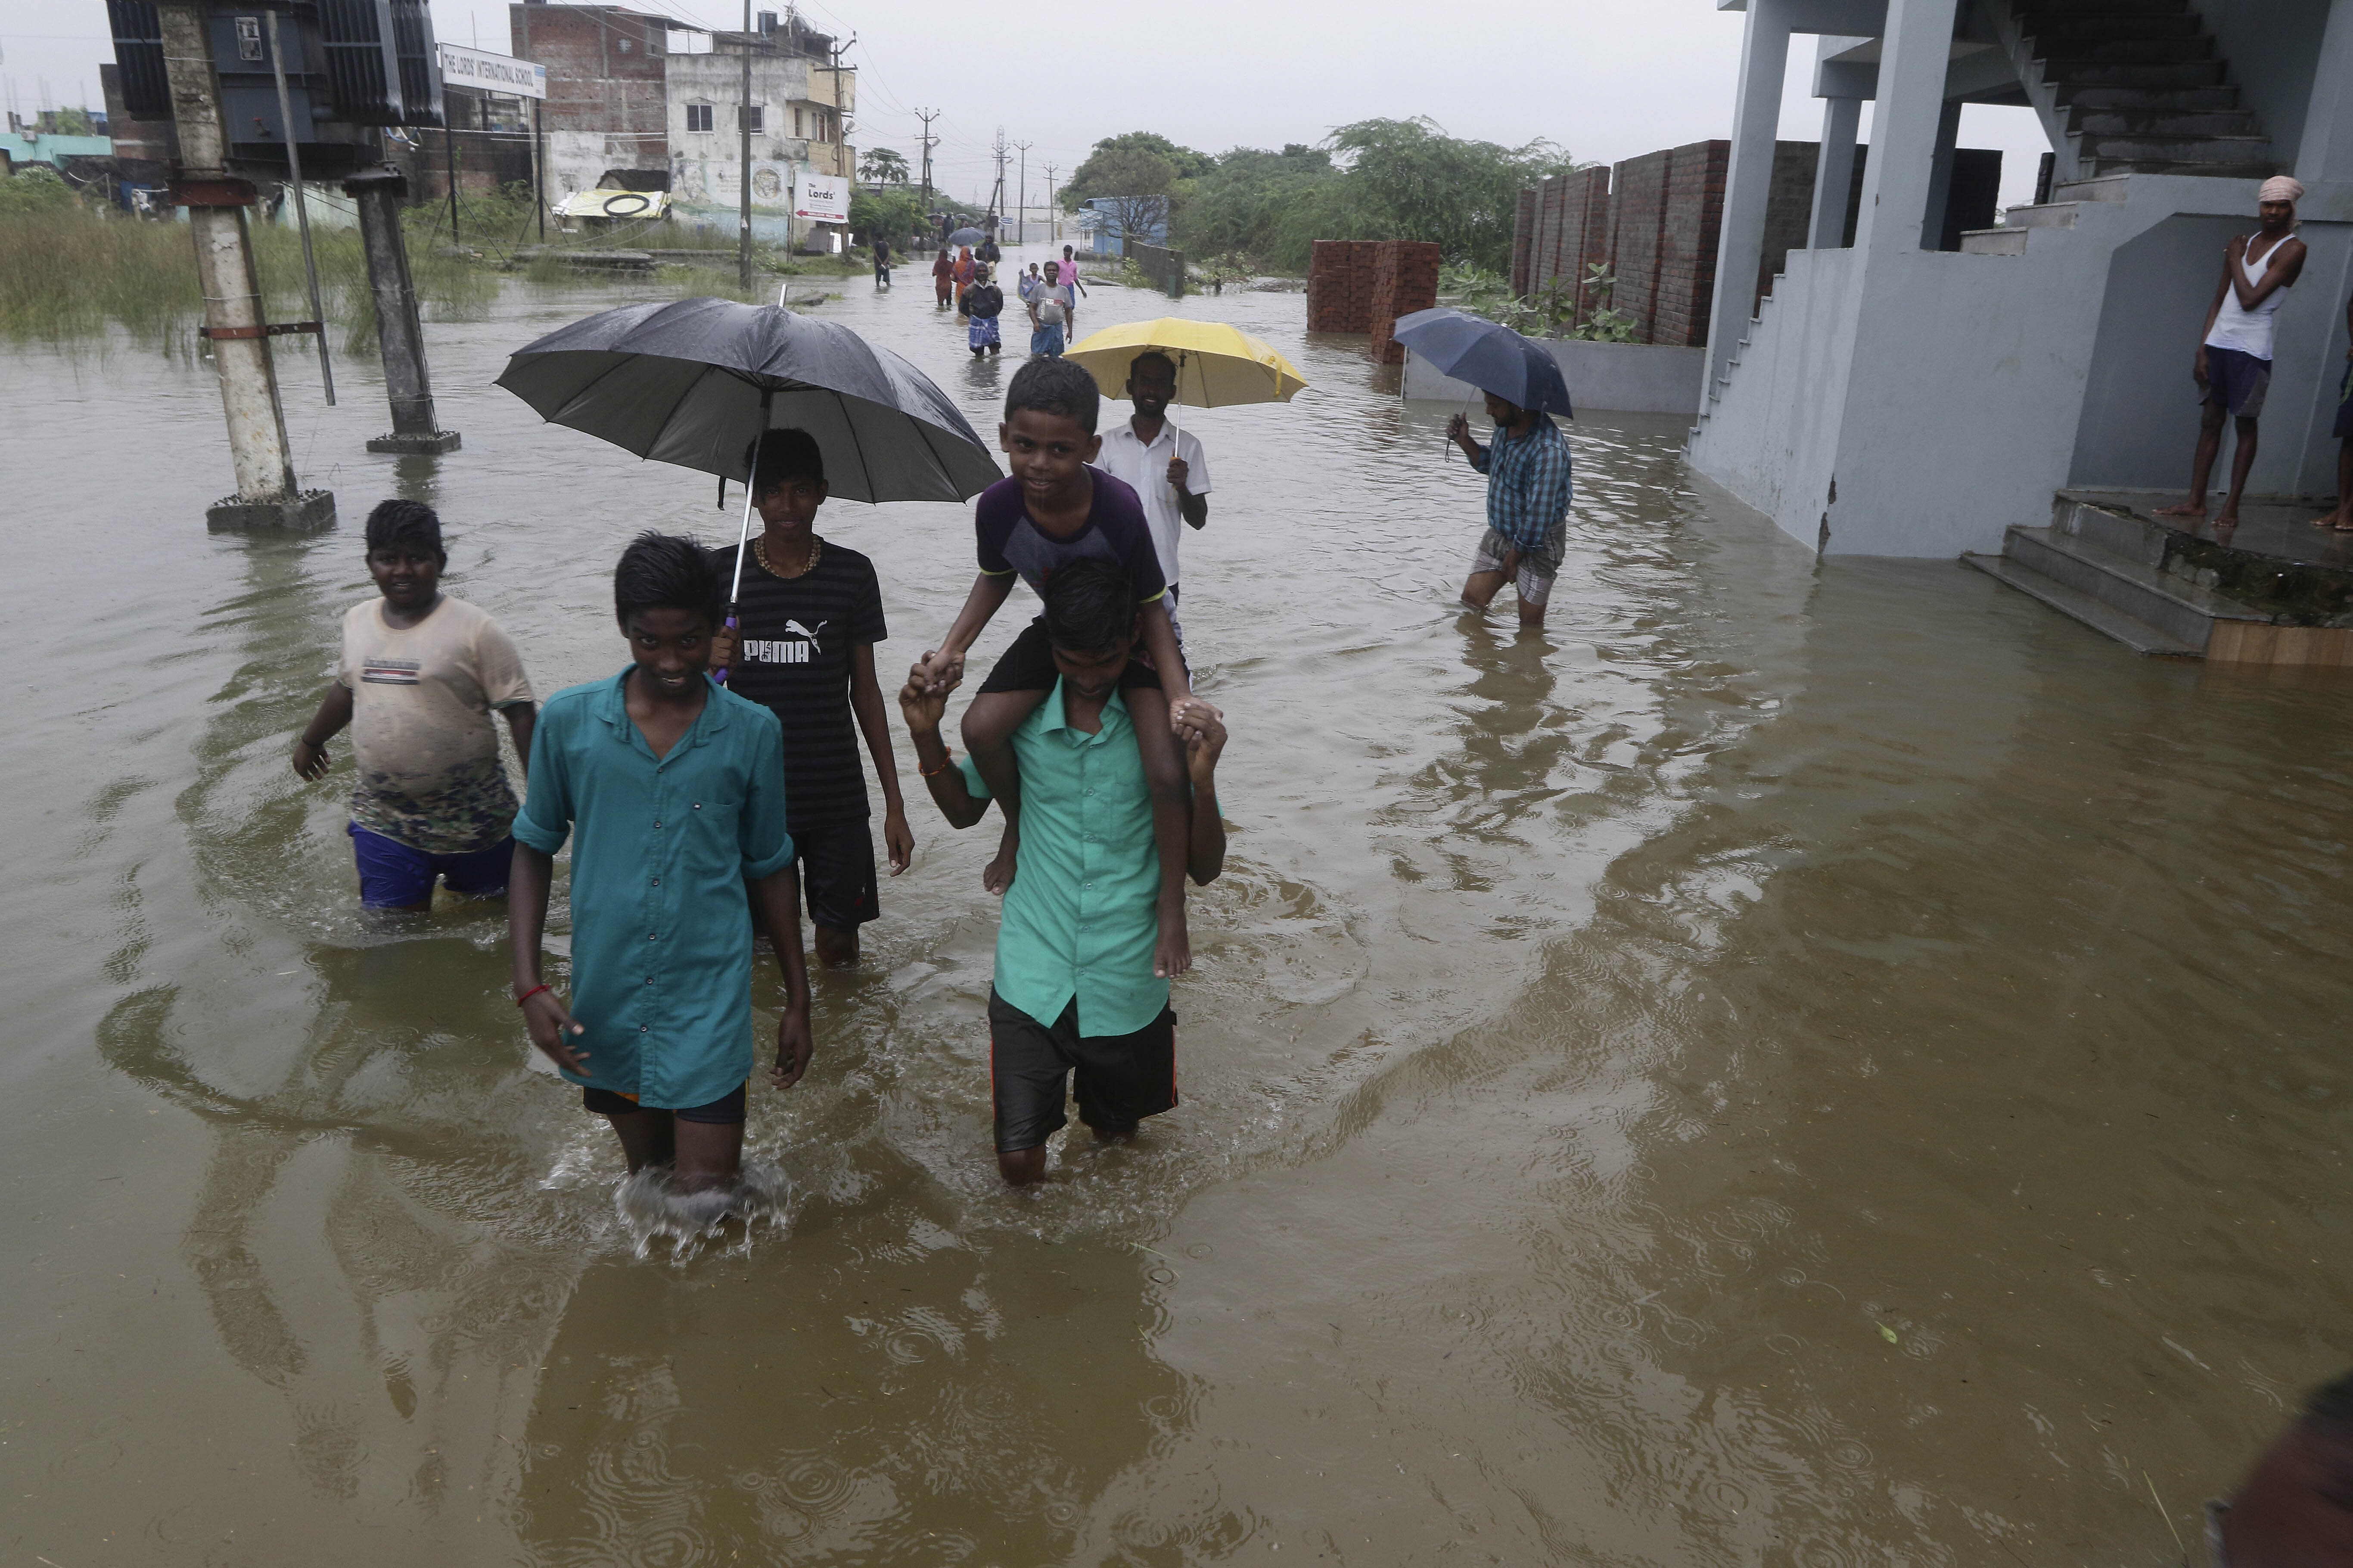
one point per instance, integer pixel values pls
(420, 675)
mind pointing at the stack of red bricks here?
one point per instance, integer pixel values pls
(1405, 279)
(1340, 286)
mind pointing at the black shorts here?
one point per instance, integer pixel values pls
(2343, 430)
(834, 861)
(1123, 1079)
(727, 1108)
(1029, 666)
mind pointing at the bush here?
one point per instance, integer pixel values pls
(36, 188)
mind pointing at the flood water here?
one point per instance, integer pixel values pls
(1792, 1066)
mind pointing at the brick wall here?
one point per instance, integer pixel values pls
(1340, 286)
(1405, 279)
(607, 100)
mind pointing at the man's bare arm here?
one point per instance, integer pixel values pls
(924, 709)
(2286, 265)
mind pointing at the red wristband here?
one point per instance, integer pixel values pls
(532, 993)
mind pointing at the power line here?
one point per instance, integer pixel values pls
(927, 116)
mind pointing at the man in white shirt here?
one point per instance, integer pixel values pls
(1163, 465)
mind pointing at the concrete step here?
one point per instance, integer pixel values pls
(2049, 215)
(2181, 610)
(1994, 241)
(2079, 74)
(2099, 188)
(2170, 122)
(2093, 147)
(2183, 100)
(2107, 166)
(2042, 15)
(2101, 617)
(2064, 57)
(2055, 29)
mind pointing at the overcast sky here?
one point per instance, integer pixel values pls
(1604, 81)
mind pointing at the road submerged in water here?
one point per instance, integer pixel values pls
(1793, 1065)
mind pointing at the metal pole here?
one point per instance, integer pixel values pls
(743, 535)
(301, 211)
(538, 171)
(450, 160)
(744, 197)
(266, 495)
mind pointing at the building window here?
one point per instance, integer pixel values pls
(754, 117)
(698, 117)
(799, 130)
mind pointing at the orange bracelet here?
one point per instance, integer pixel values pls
(941, 769)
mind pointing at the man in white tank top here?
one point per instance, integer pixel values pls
(2234, 358)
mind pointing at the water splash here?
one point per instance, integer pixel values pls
(652, 1208)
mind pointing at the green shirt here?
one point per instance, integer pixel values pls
(661, 935)
(1083, 918)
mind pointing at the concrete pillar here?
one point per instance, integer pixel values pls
(266, 495)
(1834, 170)
(1748, 181)
(2324, 154)
(1913, 61)
(1940, 175)
(399, 332)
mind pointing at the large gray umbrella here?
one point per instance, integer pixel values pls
(696, 383)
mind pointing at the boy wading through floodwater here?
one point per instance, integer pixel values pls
(811, 612)
(420, 676)
(1077, 989)
(1054, 511)
(671, 790)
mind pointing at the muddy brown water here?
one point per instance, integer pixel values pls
(1792, 1066)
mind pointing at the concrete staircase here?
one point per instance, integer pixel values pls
(2106, 569)
(2066, 202)
(2131, 86)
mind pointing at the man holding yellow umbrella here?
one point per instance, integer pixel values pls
(1174, 360)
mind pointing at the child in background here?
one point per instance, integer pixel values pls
(420, 675)
(672, 792)
(1045, 315)
(811, 612)
(1056, 509)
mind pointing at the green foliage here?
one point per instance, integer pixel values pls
(1551, 311)
(1374, 179)
(1138, 162)
(897, 216)
(35, 189)
(884, 166)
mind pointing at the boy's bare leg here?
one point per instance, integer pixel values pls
(2243, 461)
(1019, 1167)
(710, 1154)
(1479, 589)
(2341, 519)
(988, 726)
(1172, 821)
(646, 1138)
(837, 949)
(2201, 465)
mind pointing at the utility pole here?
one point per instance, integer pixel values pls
(1021, 232)
(744, 198)
(996, 195)
(1051, 209)
(379, 194)
(266, 492)
(927, 116)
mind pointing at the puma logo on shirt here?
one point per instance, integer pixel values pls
(794, 649)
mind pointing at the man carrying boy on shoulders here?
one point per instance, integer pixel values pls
(1076, 986)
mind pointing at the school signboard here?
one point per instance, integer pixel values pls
(822, 198)
(486, 72)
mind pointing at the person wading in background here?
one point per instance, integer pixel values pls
(1164, 467)
(1527, 474)
(2233, 366)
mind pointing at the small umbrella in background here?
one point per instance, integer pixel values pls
(696, 382)
(1489, 355)
(1217, 365)
(967, 236)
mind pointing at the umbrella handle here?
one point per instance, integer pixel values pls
(721, 677)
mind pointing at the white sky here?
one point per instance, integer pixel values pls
(1605, 80)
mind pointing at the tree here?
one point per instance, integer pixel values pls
(1131, 164)
(1407, 179)
(882, 167)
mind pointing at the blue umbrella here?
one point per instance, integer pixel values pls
(1489, 355)
(967, 236)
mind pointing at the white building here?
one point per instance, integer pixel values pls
(1891, 399)
(803, 108)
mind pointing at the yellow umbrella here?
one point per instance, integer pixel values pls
(1216, 365)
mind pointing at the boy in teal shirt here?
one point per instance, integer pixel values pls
(672, 791)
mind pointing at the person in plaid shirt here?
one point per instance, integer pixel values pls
(1527, 507)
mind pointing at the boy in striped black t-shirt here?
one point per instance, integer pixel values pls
(811, 613)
